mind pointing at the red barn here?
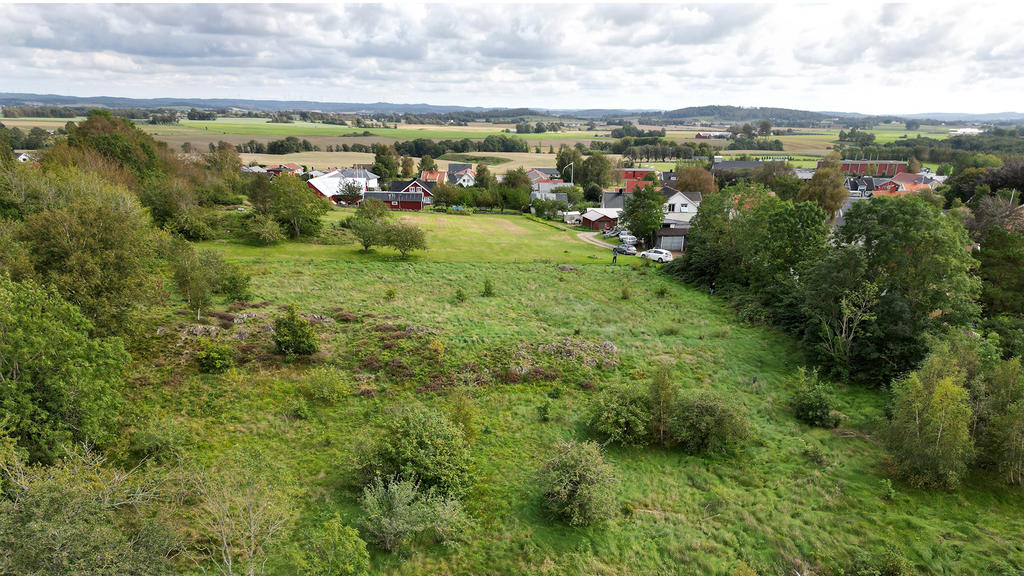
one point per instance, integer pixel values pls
(405, 195)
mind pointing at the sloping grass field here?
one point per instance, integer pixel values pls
(791, 499)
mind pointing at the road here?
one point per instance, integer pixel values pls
(590, 238)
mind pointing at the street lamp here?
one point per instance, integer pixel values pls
(572, 172)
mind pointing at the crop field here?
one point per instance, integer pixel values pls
(45, 123)
(262, 127)
(324, 160)
(791, 498)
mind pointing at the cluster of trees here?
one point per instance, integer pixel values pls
(81, 257)
(632, 131)
(538, 128)
(999, 141)
(857, 137)
(290, 145)
(893, 296)
(493, 143)
(73, 112)
(863, 300)
(742, 143)
(963, 407)
(653, 149)
(17, 139)
(196, 114)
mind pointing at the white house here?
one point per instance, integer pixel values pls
(465, 178)
(679, 207)
(22, 157)
(331, 184)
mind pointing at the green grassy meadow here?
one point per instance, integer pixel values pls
(792, 498)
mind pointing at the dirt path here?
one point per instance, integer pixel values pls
(590, 239)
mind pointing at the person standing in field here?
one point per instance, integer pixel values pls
(615, 256)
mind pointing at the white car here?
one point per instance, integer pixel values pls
(627, 239)
(657, 254)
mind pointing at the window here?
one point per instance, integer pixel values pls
(671, 208)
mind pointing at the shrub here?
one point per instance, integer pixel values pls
(462, 413)
(389, 294)
(423, 445)
(488, 288)
(889, 563)
(397, 510)
(334, 549)
(544, 411)
(393, 512)
(161, 440)
(293, 335)
(324, 384)
(621, 415)
(661, 292)
(213, 357)
(814, 402)
(705, 423)
(460, 295)
(626, 294)
(264, 229)
(577, 484)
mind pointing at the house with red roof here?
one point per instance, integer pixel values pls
(435, 176)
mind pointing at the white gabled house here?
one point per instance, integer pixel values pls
(331, 184)
(679, 206)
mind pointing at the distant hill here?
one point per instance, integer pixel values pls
(966, 117)
(731, 114)
(782, 116)
(21, 99)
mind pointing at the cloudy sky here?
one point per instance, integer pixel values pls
(843, 56)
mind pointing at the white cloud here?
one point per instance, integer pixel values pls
(822, 56)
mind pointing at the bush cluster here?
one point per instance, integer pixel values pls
(577, 484)
(423, 445)
(814, 402)
(293, 335)
(697, 421)
(396, 511)
(213, 357)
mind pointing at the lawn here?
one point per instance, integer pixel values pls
(450, 238)
(790, 499)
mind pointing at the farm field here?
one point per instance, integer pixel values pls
(323, 160)
(261, 127)
(791, 498)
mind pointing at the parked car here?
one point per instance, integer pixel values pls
(626, 249)
(611, 233)
(627, 239)
(657, 254)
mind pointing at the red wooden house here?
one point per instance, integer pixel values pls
(412, 194)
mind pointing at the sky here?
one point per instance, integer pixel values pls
(849, 56)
